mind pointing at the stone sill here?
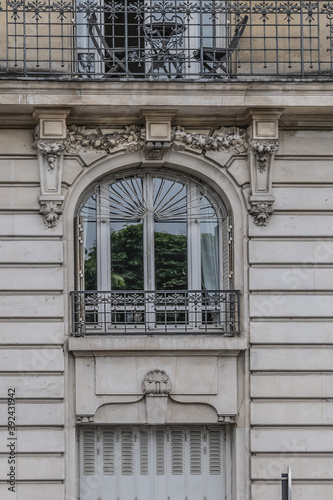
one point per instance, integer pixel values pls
(101, 345)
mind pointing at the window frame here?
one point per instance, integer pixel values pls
(225, 239)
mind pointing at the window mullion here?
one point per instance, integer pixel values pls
(103, 242)
(193, 238)
(148, 236)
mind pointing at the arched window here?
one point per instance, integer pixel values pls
(147, 239)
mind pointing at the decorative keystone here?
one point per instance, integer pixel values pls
(156, 382)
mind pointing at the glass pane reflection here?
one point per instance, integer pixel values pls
(170, 256)
(126, 256)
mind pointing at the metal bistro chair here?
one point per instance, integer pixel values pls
(113, 58)
(214, 58)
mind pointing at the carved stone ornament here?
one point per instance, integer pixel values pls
(261, 213)
(263, 150)
(133, 139)
(50, 211)
(51, 151)
(156, 382)
(224, 139)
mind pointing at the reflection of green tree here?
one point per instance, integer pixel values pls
(127, 258)
(90, 270)
(127, 261)
(170, 261)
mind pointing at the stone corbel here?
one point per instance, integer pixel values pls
(263, 141)
(50, 136)
(158, 133)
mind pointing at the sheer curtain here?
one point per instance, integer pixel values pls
(210, 256)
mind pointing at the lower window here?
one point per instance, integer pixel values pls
(154, 463)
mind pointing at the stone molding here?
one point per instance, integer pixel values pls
(156, 382)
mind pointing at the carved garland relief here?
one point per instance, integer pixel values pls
(133, 138)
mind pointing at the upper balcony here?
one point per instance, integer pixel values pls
(166, 40)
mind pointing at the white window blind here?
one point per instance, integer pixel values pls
(146, 463)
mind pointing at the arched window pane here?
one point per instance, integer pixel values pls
(153, 232)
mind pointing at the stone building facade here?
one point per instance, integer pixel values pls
(210, 392)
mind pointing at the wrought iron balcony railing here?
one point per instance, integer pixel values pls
(160, 312)
(159, 39)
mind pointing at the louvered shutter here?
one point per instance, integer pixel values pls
(90, 482)
(227, 253)
(146, 462)
(79, 253)
(89, 452)
(108, 444)
(215, 461)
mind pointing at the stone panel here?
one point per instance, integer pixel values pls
(72, 168)
(31, 332)
(124, 375)
(27, 225)
(31, 360)
(296, 278)
(22, 139)
(303, 170)
(289, 306)
(31, 306)
(32, 252)
(27, 491)
(33, 386)
(303, 467)
(36, 468)
(296, 440)
(34, 414)
(31, 278)
(19, 169)
(295, 332)
(291, 412)
(303, 198)
(239, 170)
(292, 359)
(36, 440)
(19, 198)
(308, 491)
(292, 386)
(306, 142)
(294, 225)
(290, 252)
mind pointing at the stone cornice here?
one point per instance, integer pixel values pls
(306, 103)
